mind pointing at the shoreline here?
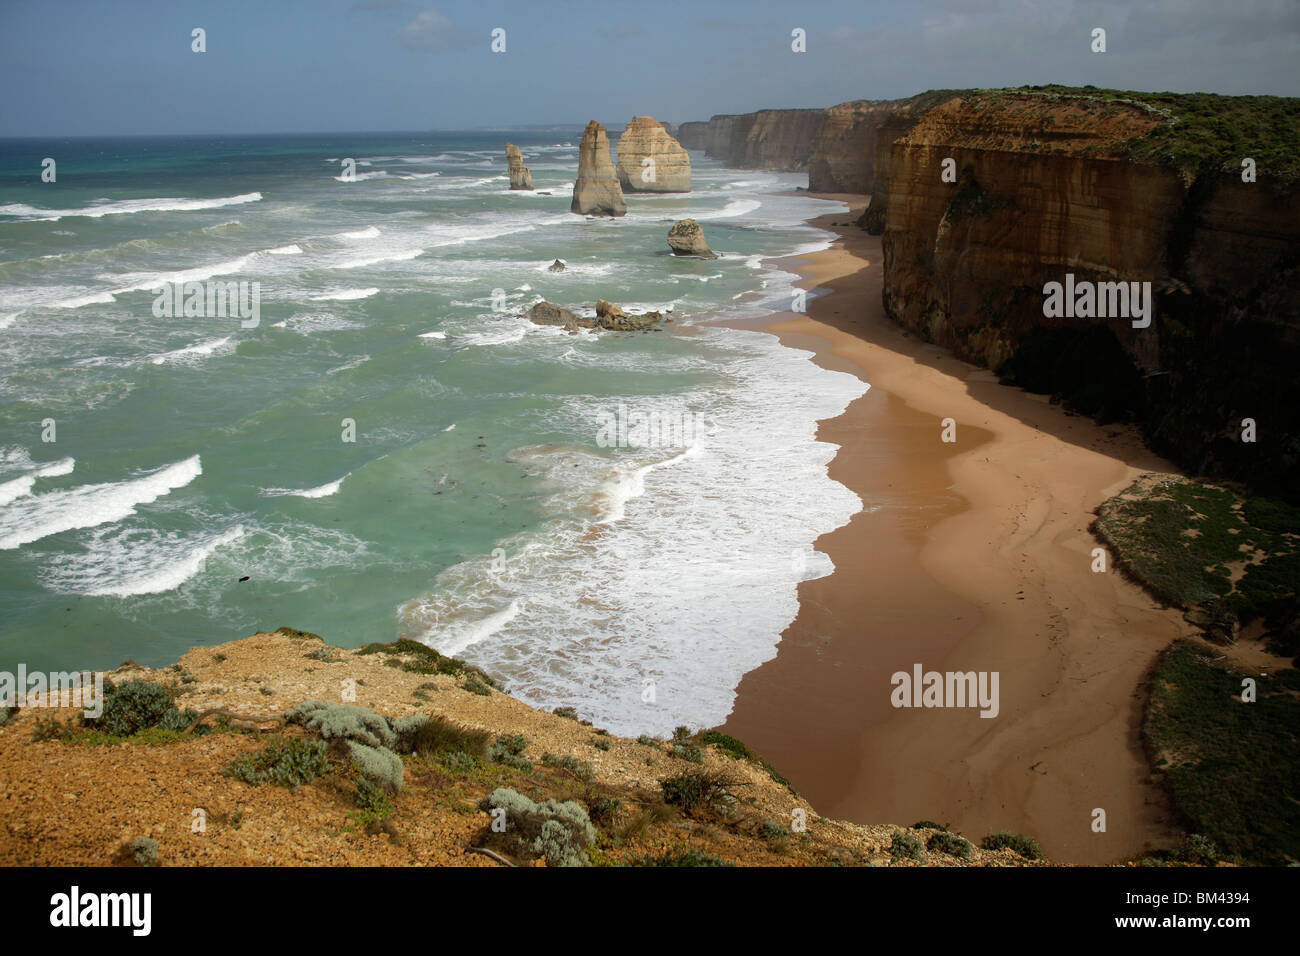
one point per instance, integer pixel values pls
(973, 555)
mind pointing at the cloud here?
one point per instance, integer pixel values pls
(431, 32)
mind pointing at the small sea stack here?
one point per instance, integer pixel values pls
(686, 238)
(520, 177)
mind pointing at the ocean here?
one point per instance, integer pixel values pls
(199, 485)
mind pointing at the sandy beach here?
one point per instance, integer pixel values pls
(973, 555)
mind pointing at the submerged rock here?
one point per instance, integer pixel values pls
(686, 238)
(597, 192)
(520, 177)
(556, 266)
(544, 313)
(611, 317)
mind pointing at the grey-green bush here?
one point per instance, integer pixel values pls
(132, 706)
(344, 722)
(144, 851)
(378, 763)
(561, 832)
(906, 846)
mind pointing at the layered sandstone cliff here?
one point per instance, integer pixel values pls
(597, 192)
(520, 176)
(650, 160)
(1047, 186)
(768, 139)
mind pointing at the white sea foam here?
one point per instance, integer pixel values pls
(290, 250)
(732, 210)
(192, 353)
(370, 232)
(305, 323)
(320, 491)
(128, 562)
(433, 335)
(359, 360)
(399, 256)
(123, 207)
(345, 294)
(31, 518)
(681, 568)
(18, 487)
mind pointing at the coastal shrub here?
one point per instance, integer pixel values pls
(1198, 850)
(602, 743)
(143, 850)
(579, 768)
(905, 846)
(419, 734)
(51, 728)
(699, 790)
(299, 635)
(1205, 548)
(681, 732)
(323, 654)
(928, 825)
(179, 720)
(773, 831)
(680, 858)
(476, 686)
(457, 761)
(560, 832)
(568, 712)
(1023, 845)
(6, 715)
(378, 763)
(727, 744)
(1232, 768)
(737, 749)
(343, 722)
(688, 751)
(508, 751)
(604, 810)
(373, 801)
(941, 841)
(286, 763)
(647, 741)
(426, 660)
(132, 706)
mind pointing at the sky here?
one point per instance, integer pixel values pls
(127, 67)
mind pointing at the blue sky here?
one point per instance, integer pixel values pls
(96, 67)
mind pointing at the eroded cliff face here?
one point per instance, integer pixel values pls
(768, 139)
(1044, 189)
(843, 153)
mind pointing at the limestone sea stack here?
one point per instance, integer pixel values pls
(596, 193)
(650, 160)
(686, 238)
(520, 177)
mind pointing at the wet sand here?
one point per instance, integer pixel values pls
(973, 555)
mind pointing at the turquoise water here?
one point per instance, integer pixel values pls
(478, 508)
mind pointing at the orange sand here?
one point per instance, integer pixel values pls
(973, 555)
